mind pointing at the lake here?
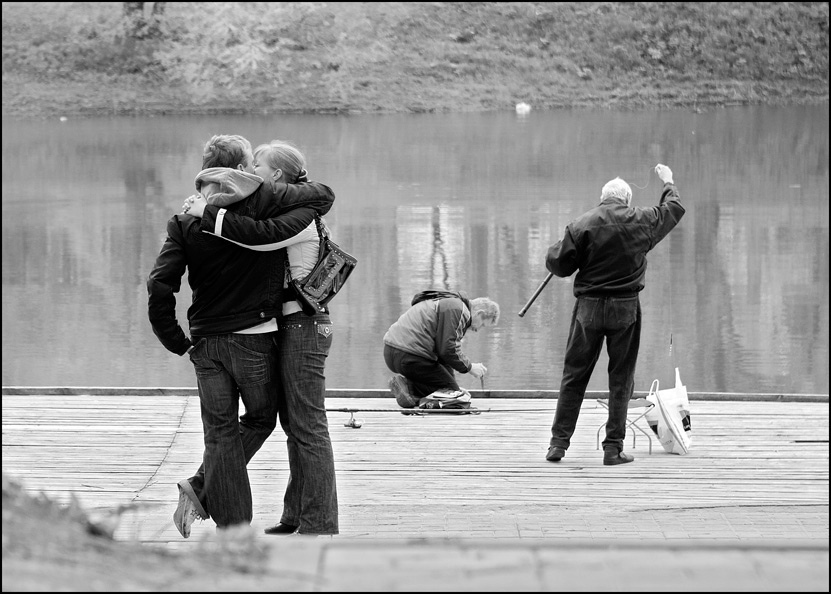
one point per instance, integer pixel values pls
(736, 296)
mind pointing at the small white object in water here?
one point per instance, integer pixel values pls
(63, 118)
(523, 108)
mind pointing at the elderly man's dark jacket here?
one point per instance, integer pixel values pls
(607, 245)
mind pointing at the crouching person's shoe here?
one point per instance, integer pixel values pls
(555, 454)
(401, 391)
(612, 456)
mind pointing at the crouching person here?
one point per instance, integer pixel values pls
(424, 347)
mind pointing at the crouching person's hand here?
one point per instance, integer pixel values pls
(478, 370)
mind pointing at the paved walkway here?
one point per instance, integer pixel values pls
(475, 565)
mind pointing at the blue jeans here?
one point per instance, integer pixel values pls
(618, 320)
(423, 375)
(231, 367)
(311, 498)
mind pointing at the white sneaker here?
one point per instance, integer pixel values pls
(185, 514)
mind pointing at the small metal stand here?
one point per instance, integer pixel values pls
(353, 422)
(631, 423)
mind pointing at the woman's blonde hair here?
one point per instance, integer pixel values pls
(279, 154)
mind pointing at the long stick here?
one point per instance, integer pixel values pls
(536, 294)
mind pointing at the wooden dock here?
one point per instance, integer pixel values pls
(757, 470)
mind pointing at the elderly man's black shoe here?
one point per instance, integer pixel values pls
(612, 457)
(555, 454)
(281, 529)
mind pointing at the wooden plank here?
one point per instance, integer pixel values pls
(771, 456)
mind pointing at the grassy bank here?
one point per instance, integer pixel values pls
(83, 58)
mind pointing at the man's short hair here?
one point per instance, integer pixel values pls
(226, 150)
(617, 189)
(489, 309)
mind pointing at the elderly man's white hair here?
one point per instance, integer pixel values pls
(617, 189)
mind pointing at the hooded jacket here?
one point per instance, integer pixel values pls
(233, 288)
(223, 187)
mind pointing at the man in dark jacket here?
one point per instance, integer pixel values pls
(607, 247)
(237, 299)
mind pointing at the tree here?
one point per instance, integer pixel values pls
(136, 26)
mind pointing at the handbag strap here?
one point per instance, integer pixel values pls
(321, 232)
(321, 249)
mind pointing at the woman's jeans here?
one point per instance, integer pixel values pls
(230, 367)
(311, 498)
(618, 320)
(432, 375)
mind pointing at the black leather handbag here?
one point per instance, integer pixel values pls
(334, 265)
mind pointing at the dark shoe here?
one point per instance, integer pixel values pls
(555, 454)
(401, 391)
(281, 529)
(614, 456)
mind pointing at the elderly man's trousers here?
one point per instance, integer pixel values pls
(618, 321)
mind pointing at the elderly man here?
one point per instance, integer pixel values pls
(607, 249)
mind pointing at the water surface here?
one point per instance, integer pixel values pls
(736, 297)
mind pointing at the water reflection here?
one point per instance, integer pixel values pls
(470, 201)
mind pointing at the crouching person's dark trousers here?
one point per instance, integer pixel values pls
(423, 375)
